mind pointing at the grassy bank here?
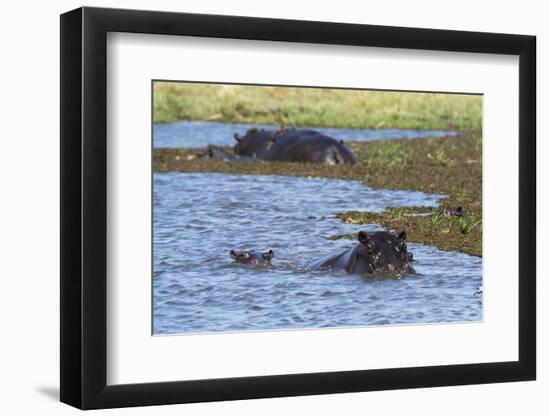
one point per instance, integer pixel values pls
(321, 107)
(450, 166)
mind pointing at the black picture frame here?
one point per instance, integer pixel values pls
(84, 207)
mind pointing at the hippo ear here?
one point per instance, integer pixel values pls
(268, 255)
(237, 137)
(233, 254)
(402, 235)
(363, 237)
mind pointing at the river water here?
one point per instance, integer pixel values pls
(197, 134)
(197, 288)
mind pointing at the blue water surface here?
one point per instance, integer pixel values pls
(197, 288)
(197, 134)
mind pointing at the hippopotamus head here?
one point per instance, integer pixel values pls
(252, 257)
(254, 143)
(381, 252)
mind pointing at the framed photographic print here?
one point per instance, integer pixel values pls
(259, 207)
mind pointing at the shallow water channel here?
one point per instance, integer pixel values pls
(199, 217)
(197, 134)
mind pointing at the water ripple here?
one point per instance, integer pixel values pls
(199, 217)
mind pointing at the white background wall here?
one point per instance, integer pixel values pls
(30, 205)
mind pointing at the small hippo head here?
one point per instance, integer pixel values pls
(253, 143)
(382, 252)
(252, 257)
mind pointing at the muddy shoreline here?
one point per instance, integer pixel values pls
(450, 166)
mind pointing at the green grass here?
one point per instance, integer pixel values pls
(320, 107)
(447, 233)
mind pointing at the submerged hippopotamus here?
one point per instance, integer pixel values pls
(252, 257)
(293, 145)
(377, 253)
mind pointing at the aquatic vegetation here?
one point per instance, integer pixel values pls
(424, 226)
(439, 157)
(391, 154)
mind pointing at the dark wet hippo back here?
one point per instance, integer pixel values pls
(252, 257)
(377, 253)
(293, 145)
(254, 144)
(296, 145)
